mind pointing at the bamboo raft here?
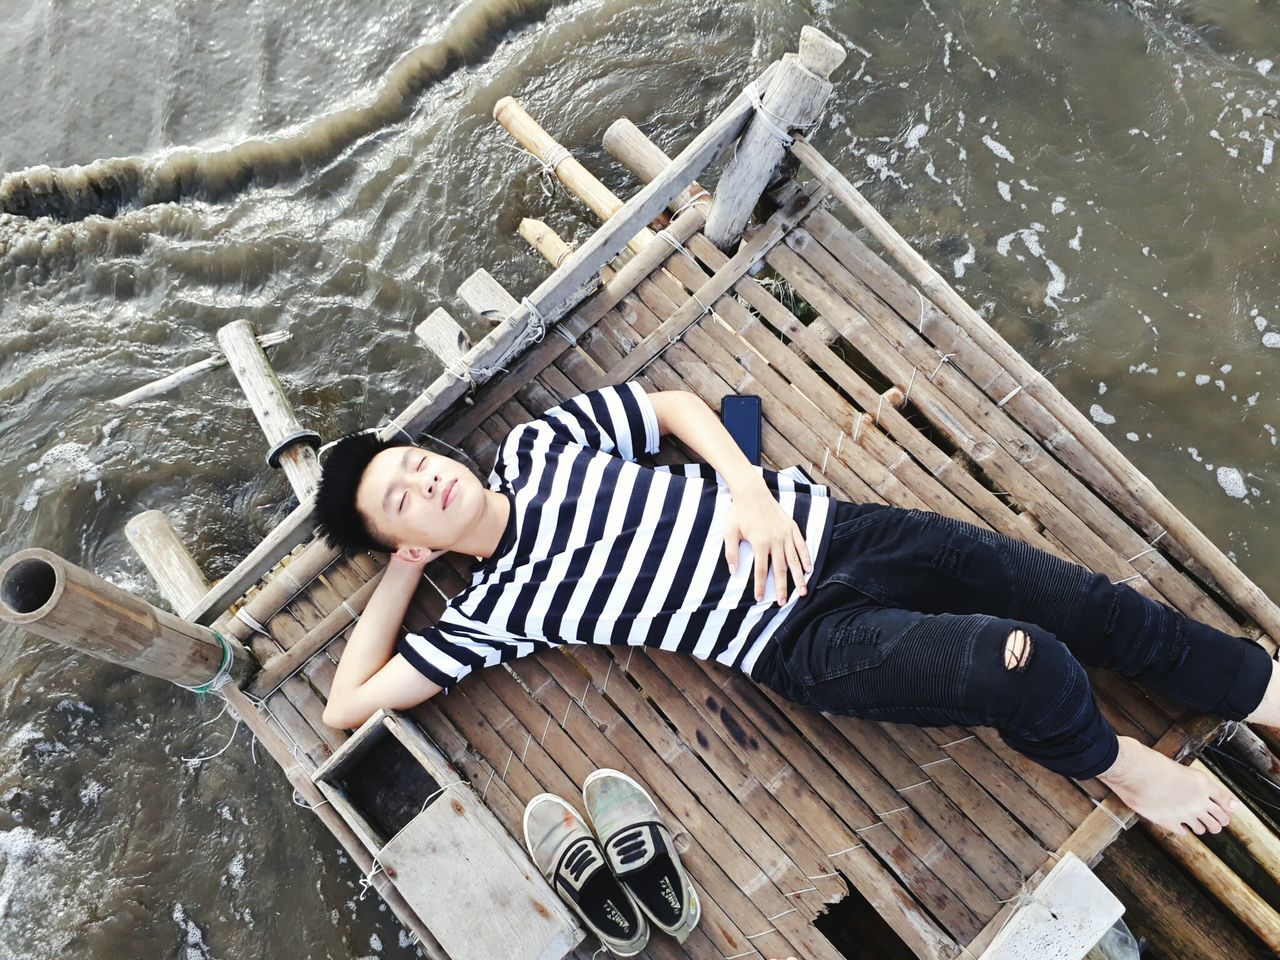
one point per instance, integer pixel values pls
(881, 382)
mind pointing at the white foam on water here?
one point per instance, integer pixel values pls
(90, 792)
(998, 148)
(1131, 436)
(1201, 379)
(1271, 339)
(194, 947)
(1099, 415)
(916, 134)
(1230, 480)
(1004, 190)
(236, 870)
(960, 263)
(1074, 242)
(1058, 206)
(1263, 66)
(1102, 388)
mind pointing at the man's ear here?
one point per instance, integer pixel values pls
(421, 555)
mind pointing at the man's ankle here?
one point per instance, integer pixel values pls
(1120, 769)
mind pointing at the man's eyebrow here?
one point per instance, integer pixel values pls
(404, 462)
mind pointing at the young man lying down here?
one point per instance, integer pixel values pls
(855, 608)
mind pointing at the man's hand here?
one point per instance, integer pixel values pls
(757, 517)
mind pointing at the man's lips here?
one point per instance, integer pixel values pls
(448, 494)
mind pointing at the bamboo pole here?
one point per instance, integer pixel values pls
(1166, 906)
(1247, 746)
(558, 161)
(1219, 879)
(292, 448)
(793, 100)
(189, 372)
(1253, 834)
(60, 601)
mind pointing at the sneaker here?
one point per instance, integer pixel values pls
(564, 849)
(641, 851)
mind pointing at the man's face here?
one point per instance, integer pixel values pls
(402, 495)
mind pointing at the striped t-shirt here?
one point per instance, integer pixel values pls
(599, 548)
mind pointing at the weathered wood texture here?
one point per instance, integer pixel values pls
(778, 809)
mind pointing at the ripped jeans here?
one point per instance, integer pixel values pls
(910, 619)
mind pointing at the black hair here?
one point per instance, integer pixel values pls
(337, 519)
(341, 466)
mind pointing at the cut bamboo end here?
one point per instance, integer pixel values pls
(545, 241)
(155, 540)
(627, 144)
(55, 599)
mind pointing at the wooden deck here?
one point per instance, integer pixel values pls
(878, 392)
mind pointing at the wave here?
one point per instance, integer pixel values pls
(110, 186)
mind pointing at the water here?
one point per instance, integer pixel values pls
(1098, 177)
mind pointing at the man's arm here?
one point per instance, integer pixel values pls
(368, 676)
(757, 515)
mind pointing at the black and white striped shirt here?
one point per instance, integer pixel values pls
(602, 549)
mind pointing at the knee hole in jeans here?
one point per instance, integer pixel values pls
(1017, 651)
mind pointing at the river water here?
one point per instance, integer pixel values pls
(1099, 178)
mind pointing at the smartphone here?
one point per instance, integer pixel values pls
(741, 416)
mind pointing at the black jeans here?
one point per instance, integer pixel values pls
(909, 618)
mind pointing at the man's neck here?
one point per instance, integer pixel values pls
(492, 524)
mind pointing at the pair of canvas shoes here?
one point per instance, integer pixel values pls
(628, 879)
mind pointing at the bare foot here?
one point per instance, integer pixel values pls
(1166, 792)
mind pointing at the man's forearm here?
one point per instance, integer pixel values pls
(696, 426)
(373, 637)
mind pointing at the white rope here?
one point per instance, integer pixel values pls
(246, 618)
(1009, 396)
(776, 125)
(907, 396)
(945, 358)
(700, 197)
(670, 238)
(351, 610)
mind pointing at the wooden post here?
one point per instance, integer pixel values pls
(486, 297)
(794, 100)
(60, 601)
(443, 336)
(292, 448)
(155, 540)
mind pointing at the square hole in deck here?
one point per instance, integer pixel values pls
(388, 786)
